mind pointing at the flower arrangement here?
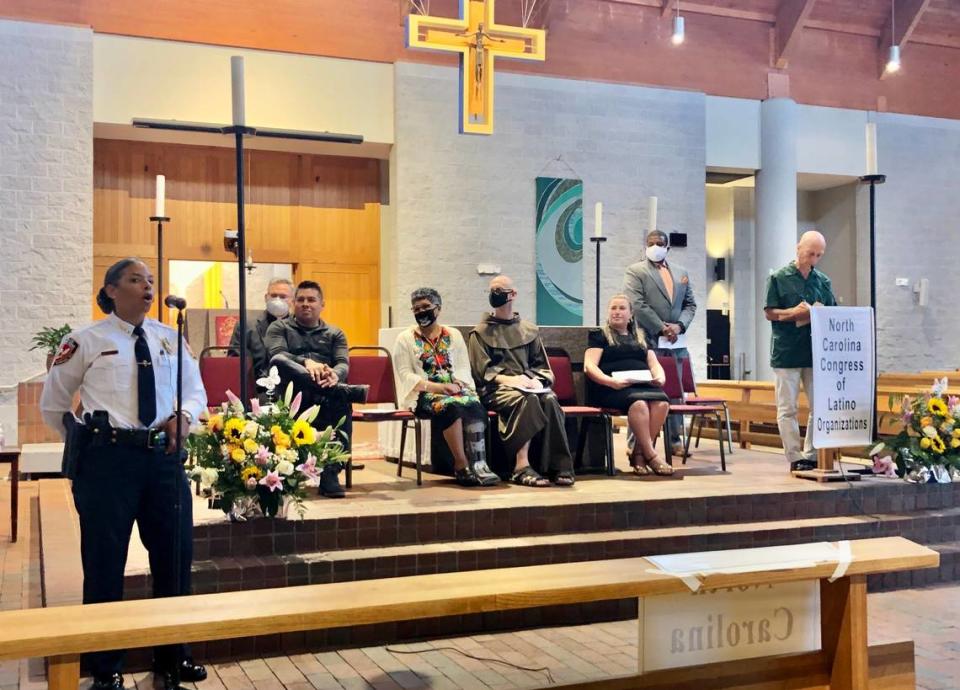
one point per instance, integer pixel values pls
(929, 441)
(268, 456)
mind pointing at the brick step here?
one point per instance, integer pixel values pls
(468, 523)
(317, 567)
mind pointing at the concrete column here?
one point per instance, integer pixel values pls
(776, 200)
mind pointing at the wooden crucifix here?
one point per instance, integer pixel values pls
(478, 40)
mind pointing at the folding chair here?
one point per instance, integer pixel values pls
(566, 393)
(220, 374)
(674, 390)
(376, 371)
(690, 397)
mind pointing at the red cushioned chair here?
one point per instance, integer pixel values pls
(674, 390)
(566, 392)
(220, 374)
(690, 397)
(376, 371)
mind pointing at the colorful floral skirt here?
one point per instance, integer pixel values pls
(445, 410)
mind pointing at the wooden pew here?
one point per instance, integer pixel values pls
(754, 402)
(845, 661)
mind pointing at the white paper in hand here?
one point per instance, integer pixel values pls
(633, 376)
(664, 342)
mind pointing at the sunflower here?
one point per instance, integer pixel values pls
(233, 430)
(937, 407)
(303, 433)
(937, 445)
(250, 472)
(215, 423)
(237, 454)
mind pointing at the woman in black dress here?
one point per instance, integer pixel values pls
(620, 347)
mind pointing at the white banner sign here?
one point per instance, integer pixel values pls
(844, 385)
(710, 625)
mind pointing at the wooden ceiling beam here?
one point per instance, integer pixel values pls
(907, 14)
(791, 17)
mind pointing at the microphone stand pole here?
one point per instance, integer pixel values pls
(180, 487)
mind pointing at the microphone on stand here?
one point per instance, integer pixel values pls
(175, 302)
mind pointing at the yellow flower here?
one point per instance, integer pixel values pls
(937, 406)
(955, 443)
(303, 433)
(237, 454)
(215, 423)
(250, 472)
(280, 439)
(926, 421)
(925, 443)
(956, 433)
(233, 430)
(250, 445)
(937, 445)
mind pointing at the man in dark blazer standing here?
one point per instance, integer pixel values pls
(663, 306)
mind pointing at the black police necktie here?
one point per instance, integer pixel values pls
(146, 385)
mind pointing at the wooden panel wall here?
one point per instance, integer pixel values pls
(320, 213)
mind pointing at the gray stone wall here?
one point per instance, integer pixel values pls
(462, 200)
(918, 236)
(46, 191)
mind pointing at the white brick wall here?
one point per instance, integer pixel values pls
(46, 191)
(918, 236)
(470, 199)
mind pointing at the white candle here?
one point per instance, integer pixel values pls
(236, 85)
(652, 213)
(598, 219)
(872, 148)
(161, 196)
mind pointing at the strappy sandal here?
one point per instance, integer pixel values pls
(640, 468)
(564, 479)
(659, 467)
(529, 477)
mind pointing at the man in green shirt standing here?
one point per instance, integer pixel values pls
(791, 292)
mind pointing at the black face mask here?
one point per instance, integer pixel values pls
(426, 318)
(498, 299)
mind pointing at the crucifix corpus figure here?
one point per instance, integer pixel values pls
(478, 40)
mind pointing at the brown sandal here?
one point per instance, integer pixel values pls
(659, 467)
(638, 463)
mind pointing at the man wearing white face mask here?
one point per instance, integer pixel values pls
(279, 303)
(663, 305)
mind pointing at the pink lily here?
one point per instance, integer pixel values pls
(309, 467)
(255, 406)
(272, 481)
(232, 398)
(295, 405)
(263, 455)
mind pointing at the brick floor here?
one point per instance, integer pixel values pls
(929, 616)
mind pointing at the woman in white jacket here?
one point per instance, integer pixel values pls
(434, 380)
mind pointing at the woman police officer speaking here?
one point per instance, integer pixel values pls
(127, 469)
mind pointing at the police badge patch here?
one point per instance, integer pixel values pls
(67, 350)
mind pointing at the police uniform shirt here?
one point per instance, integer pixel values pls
(325, 344)
(99, 360)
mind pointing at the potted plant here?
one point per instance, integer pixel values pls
(49, 339)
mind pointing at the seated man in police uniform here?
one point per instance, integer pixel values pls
(278, 301)
(122, 458)
(313, 355)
